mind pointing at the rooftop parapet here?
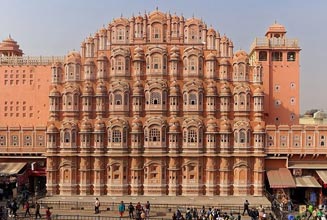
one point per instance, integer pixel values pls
(275, 43)
(30, 60)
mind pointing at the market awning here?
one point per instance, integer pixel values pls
(306, 181)
(7, 169)
(322, 174)
(280, 178)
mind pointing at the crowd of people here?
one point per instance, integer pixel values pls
(12, 206)
(137, 212)
(217, 214)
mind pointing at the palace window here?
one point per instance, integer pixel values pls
(154, 135)
(192, 136)
(291, 56)
(155, 98)
(263, 56)
(116, 136)
(277, 56)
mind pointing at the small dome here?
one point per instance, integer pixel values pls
(225, 126)
(240, 56)
(276, 28)
(139, 19)
(174, 125)
(224, 89)
(259, 128)
(9, 46)
(99, 125)
(211, 32)
(54, 92)
(211, 125)
(224, 39)
(174, 49)
(88, 89)
(86, 126)
(224, 61)
(137, 124)
(56, 64)
(52, 128)
(211, 88)
(89, 39)
(138, 88)
(138, 57)
(89, 62)
(101, 89)
(103, 31)
(174, 88)
(258, 91)
(174, 56)
(211, 56)
(138, 49)
(73, 57)
(175, 18)
(102, 57)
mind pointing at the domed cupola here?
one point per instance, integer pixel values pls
(225, 126)
(73, 57)
(174, 89)
(211, 125)
(99, 126)
(55, 92)
(87, 89)
(211, 89)
(52, 128)
(137, 125)
(9, 47)
(138, 88)
(86, 126)
(101, 89)
(174, 126)
(225, 90)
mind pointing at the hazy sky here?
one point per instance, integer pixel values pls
(44, 27)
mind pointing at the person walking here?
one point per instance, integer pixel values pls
(246, 207)
(37, 210)
(131, 210)
(27, 209)
(121, 208)
(96, 206)
(147, 209)
(48, 214)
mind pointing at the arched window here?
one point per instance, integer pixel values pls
(192, 64)
(120, 64)
(118, 99)
(192, 99)
(154, 135)
(155, 98)
(242, 136)
(192, 136)
(120, 34)
(66, 137)
(116, 136)
(156, 62)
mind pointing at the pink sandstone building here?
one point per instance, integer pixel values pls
(162, 105)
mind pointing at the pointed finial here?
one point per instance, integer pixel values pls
(9, 35)
(157, 8)
(193, 15)
(121, 15)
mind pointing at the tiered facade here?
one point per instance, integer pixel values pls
(161, 105)
(156, 105)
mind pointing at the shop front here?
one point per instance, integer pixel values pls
(13, 176)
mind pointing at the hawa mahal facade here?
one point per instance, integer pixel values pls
(158, 105)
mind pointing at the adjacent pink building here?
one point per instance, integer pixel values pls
(159, 105)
